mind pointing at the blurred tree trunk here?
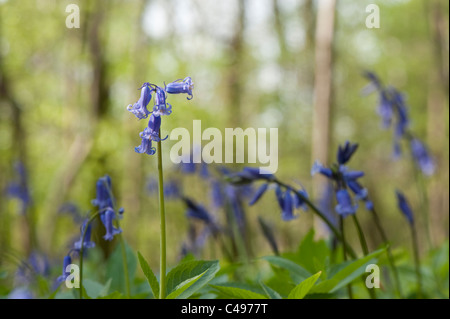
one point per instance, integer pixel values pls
(234, 77)
(436, 125)
(19, 143)
(82, 142)
(322, 92)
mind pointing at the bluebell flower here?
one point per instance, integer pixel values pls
(287, 212)
(19, 188)
(161, 107)
(139, 109)
(87, 237)
(217, 196)
(67, 261)
(345, 153)
(186, 86)
(103, 198)
(404, 207)
(422, 157)
(259, 193)
(344, 205)
(105, 203)
(107, 220)
(319, 168)
(385, 109)
(279, 196)
(299, 202)
(171, 189)
(234, 196)
(197, 211)
(37, 264)
(150, 133)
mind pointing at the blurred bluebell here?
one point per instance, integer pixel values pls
(345, 153)
(19, 189)
(422, 157)
(259, 193)
(20, 293)
(319, 168)
(287, 212)
(71, 209)
(344, 205)
(404, 207)
(87, 243)
(217, 195)
(248, 175)
(67, 261)
(299, 201)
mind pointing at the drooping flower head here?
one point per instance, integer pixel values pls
(344, 179)
(86, 229)
(107, 220)
(150, 133)
(67, 261)
(404, 207)
(345, 205)
(176, 87)
(161, 106)
(139, 109)
(106, 205)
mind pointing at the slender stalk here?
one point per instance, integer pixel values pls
(422, 189)
(162, 262)
(417, 261)
(344, 250)
(361, 236)
(125, 264)
(365, 249)
(388, 251)
(82, 251)
(122, 245)
(335, 231)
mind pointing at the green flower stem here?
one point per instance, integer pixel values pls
(162, 262)
(365, 249)
(362, 239)
(417, 260)
(82, 250)
(122, 245)
(344, 250)
(422, 190)
(125, 264)
(388, 251)
(335, 231)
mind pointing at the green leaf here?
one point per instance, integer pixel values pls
(151, 278)
(238, 293)
(95, 289)
(351, 271)
(272, 294)
(181, 288)
(115, 269)
(302, 289)
(297, 272)
(189, 270)
(312, 254)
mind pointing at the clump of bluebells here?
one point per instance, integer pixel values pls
(393, 111)
(105, 202)
(160, 107)
(344, 179)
